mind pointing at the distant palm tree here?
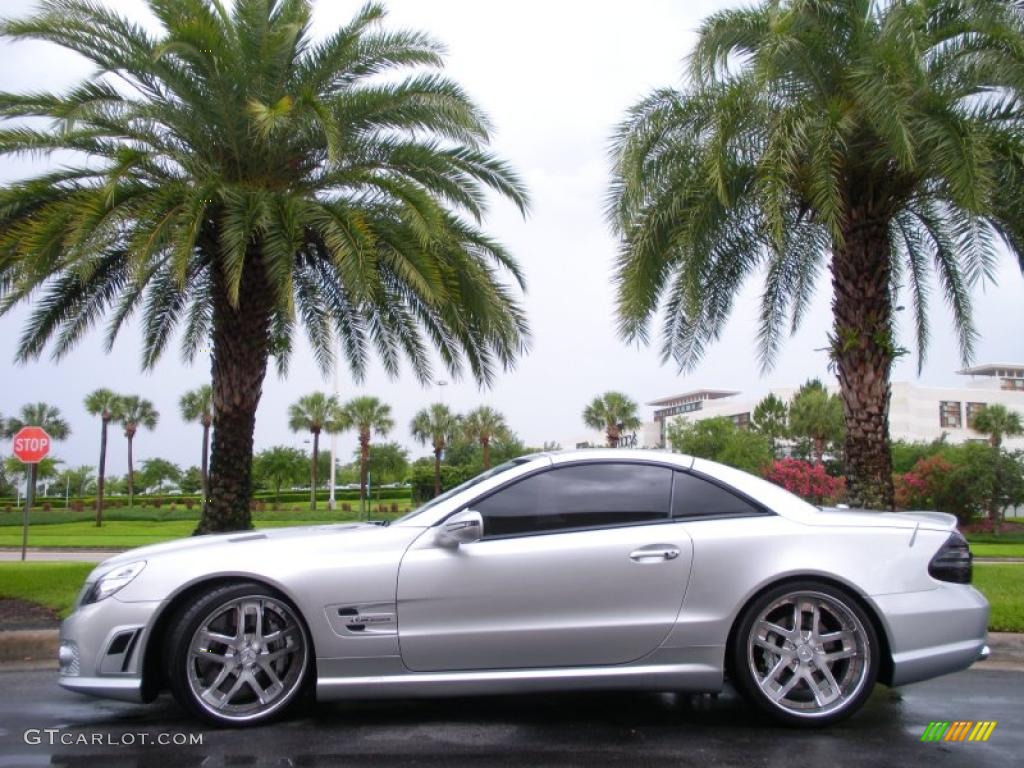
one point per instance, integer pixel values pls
(436, 426)
(483, 425)
(106, 405)
(315, 413)
(135, 412)
(49, 418)
(876, 145)
(997, 421)
(366, 415)
(226, 172)
(614, 413)
(197, 406)
(77, 479)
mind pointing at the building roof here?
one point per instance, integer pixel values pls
(990, 369)
(696, 394)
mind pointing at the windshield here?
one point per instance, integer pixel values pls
(468, 484)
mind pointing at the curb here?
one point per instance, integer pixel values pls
(19, 645)
(29, 645)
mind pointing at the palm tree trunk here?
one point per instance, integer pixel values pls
(241, 346)
(131, 470)
(205, 469)
(316, 456)
(364, 462)
(612, 433)
(485, 443)
(863, 350)
(104, 421)
(437, 471)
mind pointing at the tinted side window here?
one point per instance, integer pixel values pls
(584, 496)
(695, 497)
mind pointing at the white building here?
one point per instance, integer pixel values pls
(916, 413)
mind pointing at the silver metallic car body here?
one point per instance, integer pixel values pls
(557, 611)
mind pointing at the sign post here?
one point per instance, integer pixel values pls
(30, 446)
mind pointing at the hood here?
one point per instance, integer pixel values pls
(240, 538)
(936, 521)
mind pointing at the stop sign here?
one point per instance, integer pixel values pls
(31, 444)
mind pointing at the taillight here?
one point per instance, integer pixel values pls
(953, 561)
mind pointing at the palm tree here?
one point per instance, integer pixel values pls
(134, 412)
(613, 412)
(197, 405)
(878, 141)
(770, 418)
(816, 415)
(49, 418)
(239, 179)
(483, 425)
(436, 425)
(997, 421)
(105, 404)
(315, 413)
(366, 415)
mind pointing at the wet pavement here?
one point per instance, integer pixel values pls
(614, 729)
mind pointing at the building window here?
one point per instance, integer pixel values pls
(678, 409)
(973, 409)
(741, 420)
(1013, 384)
(949, 414)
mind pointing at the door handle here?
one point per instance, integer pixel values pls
(654, 553)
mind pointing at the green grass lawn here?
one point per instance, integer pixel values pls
(1003, 585)
(997, 550)
(54, 585)
(298, 513)
(121, 534)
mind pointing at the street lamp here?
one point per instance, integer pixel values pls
(441, 385)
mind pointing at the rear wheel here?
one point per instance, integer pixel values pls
(238, 655)
(806, 654)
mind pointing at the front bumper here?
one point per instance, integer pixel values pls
(936, 632)
(101, 648)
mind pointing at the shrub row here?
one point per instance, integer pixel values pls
(80, 503)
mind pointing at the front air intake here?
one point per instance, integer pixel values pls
(953, 561)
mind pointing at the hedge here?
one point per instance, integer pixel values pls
(285, 497)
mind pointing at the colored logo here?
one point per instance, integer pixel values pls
(958, 730)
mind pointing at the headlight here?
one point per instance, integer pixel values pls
(116, 578)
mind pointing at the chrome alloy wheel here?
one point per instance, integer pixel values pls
(808, 653)
(247, 658)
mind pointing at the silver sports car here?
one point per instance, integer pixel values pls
(612, 569)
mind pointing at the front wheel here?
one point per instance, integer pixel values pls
(237, 656)
(806, 654)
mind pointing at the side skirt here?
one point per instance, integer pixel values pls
(656, 677)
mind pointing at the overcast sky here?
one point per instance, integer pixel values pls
(554, 77)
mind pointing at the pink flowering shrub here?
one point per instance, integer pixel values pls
(924, 486)
(808, 481)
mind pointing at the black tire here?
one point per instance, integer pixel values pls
(804, 661)
(180, 669)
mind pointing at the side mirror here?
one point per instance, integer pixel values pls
(465, 527)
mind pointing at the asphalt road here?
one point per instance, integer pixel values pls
(550, 730)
